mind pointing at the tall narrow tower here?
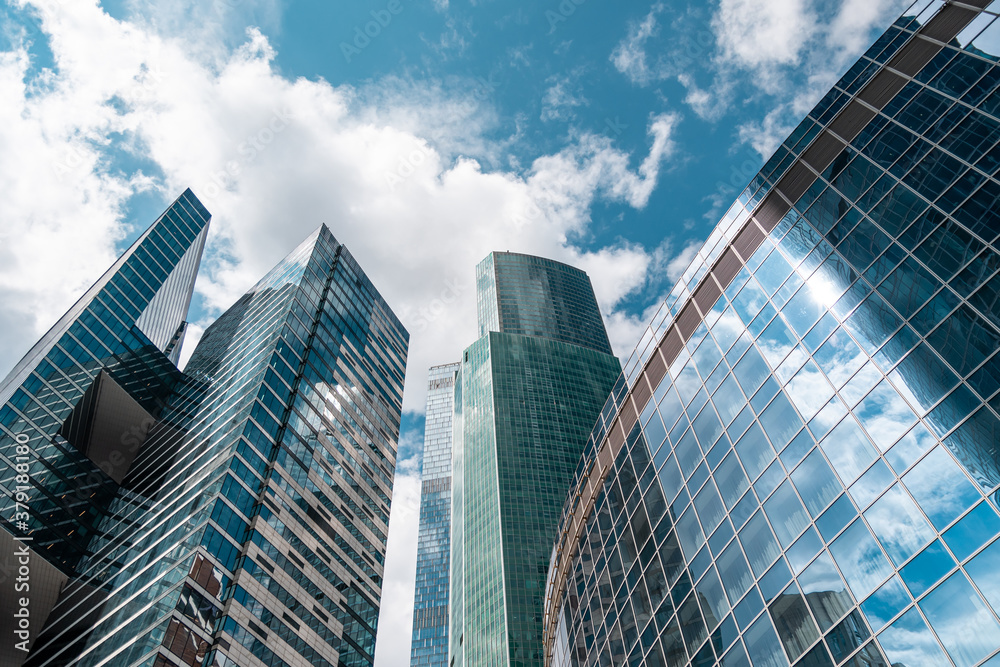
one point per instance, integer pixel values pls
(429, 646)
(528, 394)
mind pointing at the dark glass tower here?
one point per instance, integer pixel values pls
(528, 393)
(249, 525)
(429, 646)
(802, 463)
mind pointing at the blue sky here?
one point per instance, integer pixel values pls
(608, 135)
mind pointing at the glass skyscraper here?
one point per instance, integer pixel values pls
(429, 647)
(801, 462)
(527, 394)
(237, 511)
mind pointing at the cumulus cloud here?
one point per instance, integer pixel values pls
(560, 99)
(272, 158)
(759, 33)
(395, 625)
(629, 56)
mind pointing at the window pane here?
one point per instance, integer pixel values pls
(860, 559)
(899, 525)
(940, 488)
(825, 591)
(909, 642)
(763, 645)
(794, 624)
(848, 450)
(815, 483)
(962, 621)
(759, 544)
(786, 513)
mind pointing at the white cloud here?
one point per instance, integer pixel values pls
(272, 158)
(629, 56)
(760, 33)
(560, 99)
(765, 136)
(395, 624)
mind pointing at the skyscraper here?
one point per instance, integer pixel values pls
(429, 646)
(802, 465)
(527, 394)
(240, 513)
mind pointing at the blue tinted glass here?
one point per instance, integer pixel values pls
(834, 519)
(754, 451)
(709, 506)
(714, 605)
(751, 371)
(909, 642)
(860, 559)
(815, 483)
(797, 449)
(748, 608)
(849, 450)
(885, 603)
(689, 533)
(737, 657)
(670, 478)
(940, 488)
(775, 580)
(927, 569)
(794, 624)
(910, 448)
(763, 645)
(840, 357)
(825, 591)
(804, 549)
(962, 621)
(872, 483)
(809, 390)
(787, 515)
(983, 570)
(729, 399)
(974, 530)
(847, 636)
(885, 415)
(735, 572)
(759, 544)
(731, 479)
(769, 480)
(899, 525)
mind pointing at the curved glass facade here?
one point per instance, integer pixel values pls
(535, 296)
(801, 462)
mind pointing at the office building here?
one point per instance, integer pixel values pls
(238, 510)
(802, 465)
(526, 397)
(429, 646)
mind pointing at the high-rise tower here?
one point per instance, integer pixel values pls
(429, 646)
(241, 512)
(527, 395)
(803, 465)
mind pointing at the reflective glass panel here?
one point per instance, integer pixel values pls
(899, 525)
(909, 642)
(962, 621)
(860, 559)
(825, 591)
(941, 489)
